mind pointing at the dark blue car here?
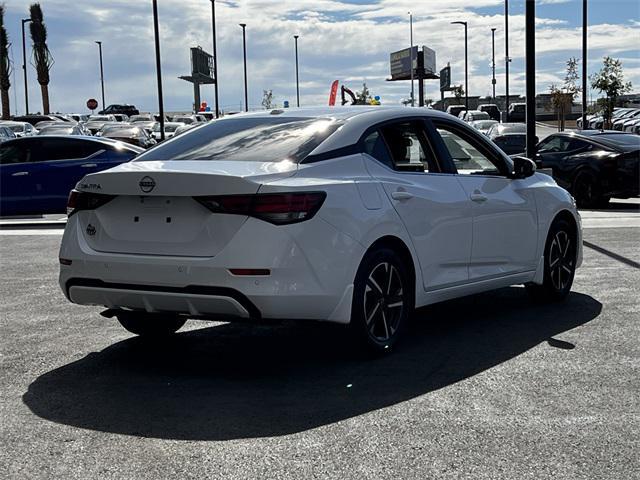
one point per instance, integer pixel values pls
(37, 173)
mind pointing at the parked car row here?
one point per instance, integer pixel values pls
(42, 157)
(622, 119)
(37, 172)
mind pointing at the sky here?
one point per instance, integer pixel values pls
(345, 40)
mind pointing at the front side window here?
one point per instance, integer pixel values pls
(67, 148)
(467, 155)
(554, 144)
(255, 139)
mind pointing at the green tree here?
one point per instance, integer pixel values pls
(42, 59)
(562, 97)
(5, 67)
(267, 99)
(610, 81)
(363, 97)
(458, 92)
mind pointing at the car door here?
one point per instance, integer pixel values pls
(65, 161)
(431, 204)
(16, 177)
(505, 226)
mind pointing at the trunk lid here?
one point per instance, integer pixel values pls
(154, 212)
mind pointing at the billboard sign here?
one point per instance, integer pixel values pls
(401, 63)
(201, 65)
(445, 78)
(429, 59)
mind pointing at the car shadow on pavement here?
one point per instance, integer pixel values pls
(235, 381)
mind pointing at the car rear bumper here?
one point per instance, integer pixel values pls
(196, 301)
(311, 272)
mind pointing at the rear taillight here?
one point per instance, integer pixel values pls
(276, 208)
(85, 201)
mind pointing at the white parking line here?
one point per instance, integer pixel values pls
(32, 232)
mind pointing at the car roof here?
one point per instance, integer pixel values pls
(356, 119)
(602, 137)
(13, 122)
(87, 138)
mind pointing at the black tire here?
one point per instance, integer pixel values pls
(559, 264)
(150, 324)
(383, 300)
(586, 190)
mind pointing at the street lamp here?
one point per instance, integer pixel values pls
(466, 65)
(411, 54)
(158, 68)
(24, 67)
(244, 53)
(215, 54)
(297, 76)
(493, 62)
(101, 74)
(506, 59)
(585, 23)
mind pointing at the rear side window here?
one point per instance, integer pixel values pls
(374, 145)
(14, 152)
(247, 139)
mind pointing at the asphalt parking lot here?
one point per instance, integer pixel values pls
(492, 386)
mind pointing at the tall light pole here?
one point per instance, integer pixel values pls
(101, 74)
(411, 54)
(493, 62)
(215, 55)
(158, 68)
(584, 64)
(466, 64)
(244, 53)
(24, 67)
(506, 59)
(297, 77)
(530, 83)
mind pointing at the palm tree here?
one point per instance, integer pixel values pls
(43, 61)
(5, 67)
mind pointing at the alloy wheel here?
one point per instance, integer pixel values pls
(561, 261)
(384, 301)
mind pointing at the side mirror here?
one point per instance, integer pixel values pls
(523, 167)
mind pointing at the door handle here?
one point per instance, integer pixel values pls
(19, 174)
(477, 197)
(89, 165)
(400, 195)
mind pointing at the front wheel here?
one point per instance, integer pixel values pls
(383, 300)
(586, 190)
(150, 324)
(559, 264)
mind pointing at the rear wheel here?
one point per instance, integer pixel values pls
(150, 324)
(559, 264)
(383, 299)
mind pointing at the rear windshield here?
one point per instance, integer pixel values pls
(624, 142)
(247, 139)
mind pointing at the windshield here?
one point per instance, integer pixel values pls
(261, 139)
(100, 119)
(16, 128)
(484, 123)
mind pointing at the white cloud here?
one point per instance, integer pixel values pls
(338, 40)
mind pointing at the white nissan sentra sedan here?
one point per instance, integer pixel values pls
(349, 215)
